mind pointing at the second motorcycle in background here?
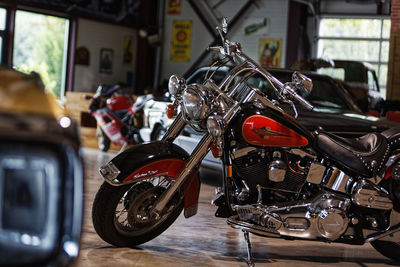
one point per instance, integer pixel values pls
(119, 118)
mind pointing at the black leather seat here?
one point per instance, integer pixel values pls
(393, 137)
(364, 155)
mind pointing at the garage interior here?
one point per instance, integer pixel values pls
(78, 45)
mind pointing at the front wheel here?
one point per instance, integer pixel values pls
(121, 215)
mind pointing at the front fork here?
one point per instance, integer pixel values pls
(196, 157)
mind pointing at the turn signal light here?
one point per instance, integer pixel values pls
(216, 151)
(170, 111)
(229, 171)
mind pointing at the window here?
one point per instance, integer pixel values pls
(3, 16)
(40, 45)
(361, 39)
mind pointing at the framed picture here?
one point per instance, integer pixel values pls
(270, 52)
(82, 56)
(106, 60)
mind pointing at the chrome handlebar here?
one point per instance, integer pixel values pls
(285, 91)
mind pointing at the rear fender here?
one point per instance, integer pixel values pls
(147, 160)
(393, 167)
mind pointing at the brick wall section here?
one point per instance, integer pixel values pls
(393, 80)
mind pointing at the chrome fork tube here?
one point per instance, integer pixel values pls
(175, 129)
(197, 156)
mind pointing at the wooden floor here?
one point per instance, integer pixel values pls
(205, 240)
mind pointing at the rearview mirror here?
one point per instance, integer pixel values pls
(225, 25)
(302, 82)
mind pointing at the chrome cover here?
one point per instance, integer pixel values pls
(323, 217)
(315, 173)
(277, 170)
(369, 195)
(242, 152)
(337, 181)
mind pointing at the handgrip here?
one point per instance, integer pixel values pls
(302, 101)
(292, 93)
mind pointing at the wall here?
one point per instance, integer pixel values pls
(275, 10)
(96, 35)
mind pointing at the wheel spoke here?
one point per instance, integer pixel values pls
(133, 210)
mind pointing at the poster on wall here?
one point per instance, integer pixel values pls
(181, 40)
(270, 52)
(106, 60)
(128, 50)
(174, 7)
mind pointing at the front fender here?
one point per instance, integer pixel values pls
(151, 159)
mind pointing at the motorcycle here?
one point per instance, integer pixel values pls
(279, 180)
(119, 119)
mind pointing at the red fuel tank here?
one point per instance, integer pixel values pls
(263, 131)
(119, 102)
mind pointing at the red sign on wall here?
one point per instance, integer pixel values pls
(174, 7)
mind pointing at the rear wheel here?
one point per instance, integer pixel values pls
(121, 215)
(103, 141)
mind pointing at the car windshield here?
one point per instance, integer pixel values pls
(325, 92)
(217, 76)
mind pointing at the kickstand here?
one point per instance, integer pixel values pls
(249, 260)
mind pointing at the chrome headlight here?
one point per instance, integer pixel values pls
(197, 101)
(215, 126)
(176, 85)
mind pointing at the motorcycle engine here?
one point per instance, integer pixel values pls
(279, 173)
(281, 195)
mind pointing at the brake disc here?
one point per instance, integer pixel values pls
(140, 208)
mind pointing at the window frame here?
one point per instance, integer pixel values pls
(379, 39)
(8, 41)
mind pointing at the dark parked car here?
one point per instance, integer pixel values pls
(359, 78)
(334, 111)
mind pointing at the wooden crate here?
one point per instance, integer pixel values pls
(77, 104)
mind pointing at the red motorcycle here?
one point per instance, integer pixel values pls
(118, 117)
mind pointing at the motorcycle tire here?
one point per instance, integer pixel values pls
(103, 141)
(387, 249)
(104, 216)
